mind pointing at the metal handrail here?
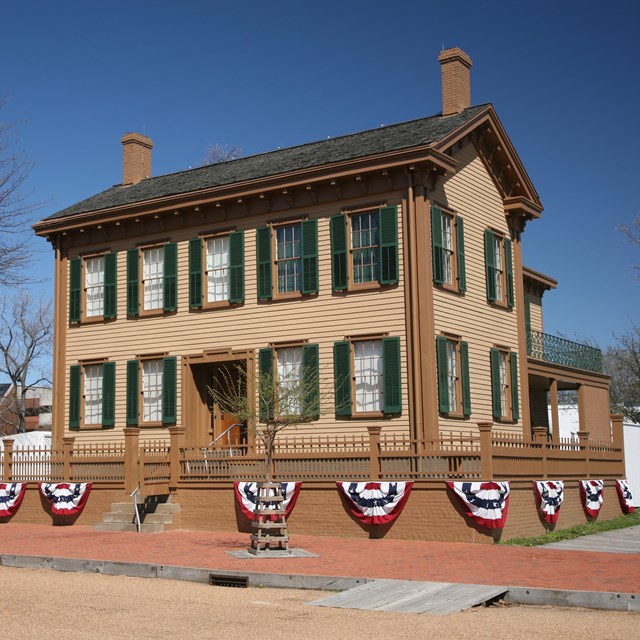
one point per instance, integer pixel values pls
(224, 433)
(135, 507)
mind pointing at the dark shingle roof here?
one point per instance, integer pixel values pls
(391, 138)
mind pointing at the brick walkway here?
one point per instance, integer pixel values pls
(348, 557)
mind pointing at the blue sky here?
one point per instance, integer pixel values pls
(562, 76)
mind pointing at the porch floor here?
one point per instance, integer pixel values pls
(535, 567)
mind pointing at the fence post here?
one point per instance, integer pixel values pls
(540, 436)
(486, 450)
(131, 458)
(8, 460)
(617, 435)
(67, 452)
(176, 437)
(374, 452)
(583, 439)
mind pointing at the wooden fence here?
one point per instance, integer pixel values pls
(160, 466)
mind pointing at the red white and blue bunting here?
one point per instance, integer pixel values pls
(66, 498)
(592, 492)
(246, 493)
(549, 496)
(484, 502)
(11, 495)
(624, 494)
(376, 502)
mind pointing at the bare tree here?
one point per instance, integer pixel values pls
(14, 210)
(622, 363)
(26, 330)
(217, 153)
(285, 399)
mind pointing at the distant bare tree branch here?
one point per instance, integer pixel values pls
(622, 363)
(217, 153)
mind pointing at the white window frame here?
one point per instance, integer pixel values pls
(93, 380)
(94, 286)
(217, 273)
(368, 375)
(152, 278)
(151, 378)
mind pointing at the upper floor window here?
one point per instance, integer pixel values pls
(287, 259)
(364, 249)
(92, 395)
(447, 249)
(454, 397)
(499, 268)
(151, 391)
(152, 278)
(504, 384)
(216, 266)
(367, 376)
(92, 287)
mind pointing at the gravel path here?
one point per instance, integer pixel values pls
(77, 606)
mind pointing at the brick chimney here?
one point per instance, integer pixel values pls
(456, 80)
(136, 157)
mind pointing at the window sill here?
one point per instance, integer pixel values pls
(368, 414)
(91, 427)
(455, 416)
(219, 304)
(288, 295)
(451, 288)
(499, 304)
(151, 425)
(92, 319)
(150, 313)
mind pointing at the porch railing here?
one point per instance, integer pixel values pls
(543, 346)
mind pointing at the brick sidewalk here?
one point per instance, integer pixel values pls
(348, 557)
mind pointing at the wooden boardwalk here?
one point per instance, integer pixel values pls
(409, 596)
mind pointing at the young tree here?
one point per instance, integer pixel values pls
(622, 363)
(26, 331)
(217, 153)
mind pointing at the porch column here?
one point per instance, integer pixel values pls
(131, 458)
(486, 450)
(555, 414)
(582, 417)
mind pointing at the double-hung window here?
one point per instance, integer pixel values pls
(287, 260)
(216, 270)
(364, 249)
(499, 268)
(92, 395)
(454, 396)
(152, 279)
(447, 249)
(288, 382)
(151, 391)
(504, 384)
(367, 376)
(92, 288)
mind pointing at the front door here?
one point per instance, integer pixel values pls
(227, 380)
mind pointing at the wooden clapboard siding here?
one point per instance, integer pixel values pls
(321, 319)
(536, 312)
(472, 194)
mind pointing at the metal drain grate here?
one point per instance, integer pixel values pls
(228, 581)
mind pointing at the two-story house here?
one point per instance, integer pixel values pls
(389, 260)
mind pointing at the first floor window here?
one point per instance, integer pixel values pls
(504, 384)
(92, 395)
(152, 390)
(94, 286)
(290, 381)
(367, 375)
(217, 269)
(454, 396)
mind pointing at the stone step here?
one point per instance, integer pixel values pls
(156, 507)
(123, 526)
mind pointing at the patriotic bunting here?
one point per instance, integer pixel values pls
(484, 502)
(11, 495)
(624, 494)
(246, 493)
(66, 498)
(592, 492)
(376, 502)
(549, 496)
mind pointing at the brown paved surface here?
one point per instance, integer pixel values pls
(350, 557)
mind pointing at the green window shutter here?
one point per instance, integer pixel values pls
(342, 378)
(75, 289)
(437, 251)
(443, 375)
(170, 276)
(133, 282)
(266, 386)
(464, 378)
(339, 253)
(195, 273)
(490, 265)
(462, 270)
(169, 391)
(110, 285)
(509, 268)
(515, 405)
(388, 245)
(391, 375)
(108, 394)
(309, 233)
(311, 380)
(236, 266)
(75, 378)
(133, 368)
(495, 384)
(264, 263)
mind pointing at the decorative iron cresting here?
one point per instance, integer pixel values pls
(543, 346)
